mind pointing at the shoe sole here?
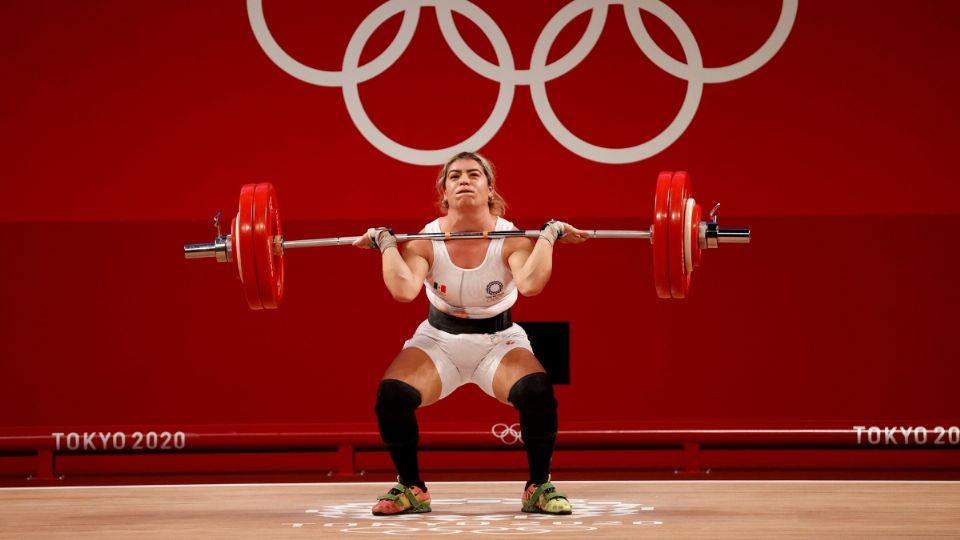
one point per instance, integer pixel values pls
(411, 510)
(539, 511)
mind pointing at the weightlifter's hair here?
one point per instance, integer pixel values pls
(497, 205)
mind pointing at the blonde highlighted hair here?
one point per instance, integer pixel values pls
(496, 203)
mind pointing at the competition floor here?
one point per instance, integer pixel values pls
(671, 509)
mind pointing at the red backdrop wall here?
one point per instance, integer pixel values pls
(127, 124)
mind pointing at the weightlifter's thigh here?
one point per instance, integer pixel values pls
(515, 365)
(414, 367)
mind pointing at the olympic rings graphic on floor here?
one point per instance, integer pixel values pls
(508, 434)
(352, 73)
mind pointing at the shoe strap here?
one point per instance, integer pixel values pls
(396, 491)
(548, 491)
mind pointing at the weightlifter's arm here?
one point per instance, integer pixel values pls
(402, 274)
(532, 268)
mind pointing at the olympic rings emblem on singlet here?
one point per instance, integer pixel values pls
(508, 434)
(352, 73)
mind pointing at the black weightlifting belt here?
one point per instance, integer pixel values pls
(457, 325)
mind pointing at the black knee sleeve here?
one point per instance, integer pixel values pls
(396, 407)
(397, 402)
(532, 395)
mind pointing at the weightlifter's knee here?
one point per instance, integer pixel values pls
(397, 402)
(532, 395)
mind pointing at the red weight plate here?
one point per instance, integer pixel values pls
(266, 227)
(661, 235)
(679, 278)
(688, 236)
(234, 238)
(695, 236)
(244, 250)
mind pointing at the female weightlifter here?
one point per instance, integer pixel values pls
(469, 336)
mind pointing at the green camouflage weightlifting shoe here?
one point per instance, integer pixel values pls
(402, 499)
(545, 499)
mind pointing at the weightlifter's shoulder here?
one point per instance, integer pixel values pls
(514, 244)
(419, 248)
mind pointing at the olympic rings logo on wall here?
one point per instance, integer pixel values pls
(352, 74)
(507, 433)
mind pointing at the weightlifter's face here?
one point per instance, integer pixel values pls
(466, 185)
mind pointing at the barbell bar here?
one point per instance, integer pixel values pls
(256, 246)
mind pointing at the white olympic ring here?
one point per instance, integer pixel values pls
(352, 73)
(508, 434)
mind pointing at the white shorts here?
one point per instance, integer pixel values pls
(467, 358)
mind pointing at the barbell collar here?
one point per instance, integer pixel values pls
(199, 251)
(219, 249)
(714, 235)
(733, 236)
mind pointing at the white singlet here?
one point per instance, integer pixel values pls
(471, 293)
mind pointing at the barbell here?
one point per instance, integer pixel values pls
(256, 246)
